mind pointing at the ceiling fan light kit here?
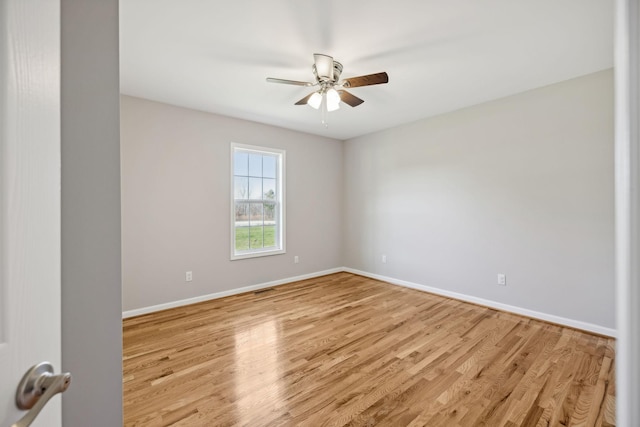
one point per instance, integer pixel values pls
(327, 73)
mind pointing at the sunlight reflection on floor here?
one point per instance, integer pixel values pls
(257, 373)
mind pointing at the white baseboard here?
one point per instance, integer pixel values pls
(216, 295)
(577, 324)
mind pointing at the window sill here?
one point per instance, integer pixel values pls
(235, 257)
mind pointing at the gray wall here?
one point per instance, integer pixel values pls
(176, 207)
(522, 186)
(91, 283)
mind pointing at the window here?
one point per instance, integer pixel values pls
(257, 201)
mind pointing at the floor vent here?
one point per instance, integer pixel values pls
(260, 291)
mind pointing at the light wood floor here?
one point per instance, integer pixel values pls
(347, 350)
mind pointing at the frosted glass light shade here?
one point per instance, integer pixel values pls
(333, 100)
(315, 100)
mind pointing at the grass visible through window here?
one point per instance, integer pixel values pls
(252, 237)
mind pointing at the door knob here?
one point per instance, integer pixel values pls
(37, 386)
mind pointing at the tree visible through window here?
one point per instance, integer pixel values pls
(258, 228)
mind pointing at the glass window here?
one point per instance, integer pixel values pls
(257, 201)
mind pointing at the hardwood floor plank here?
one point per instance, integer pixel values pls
(348, 350)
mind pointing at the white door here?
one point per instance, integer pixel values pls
(30, 195)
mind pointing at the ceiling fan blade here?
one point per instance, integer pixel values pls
(368, 80)
(350, 99)
(324, 65)
(289, 82)
(304, 100)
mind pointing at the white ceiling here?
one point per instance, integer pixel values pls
(441, 55)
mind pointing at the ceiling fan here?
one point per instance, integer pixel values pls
(332, 90)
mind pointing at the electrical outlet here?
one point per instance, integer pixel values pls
(502, 279)
(189, 276)
(296, 259)
(384, 259)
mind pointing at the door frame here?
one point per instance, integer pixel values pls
(90, 205)
(627, 204)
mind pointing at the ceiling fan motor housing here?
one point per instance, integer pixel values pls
(337, 70)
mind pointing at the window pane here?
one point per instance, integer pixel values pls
(269, 189)
(269, 213)
(242, 226)
(255, 188)
(255, 165)
(241, 187)
(242, 238)
(242, 214)
(241, 163)
(255, 237)
(269, 240)
(256, 216)
(269, 166)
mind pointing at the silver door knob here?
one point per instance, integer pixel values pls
(37, 386)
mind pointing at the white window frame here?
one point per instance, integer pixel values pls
(281, 192)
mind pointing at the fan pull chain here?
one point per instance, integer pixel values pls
(323, 108)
